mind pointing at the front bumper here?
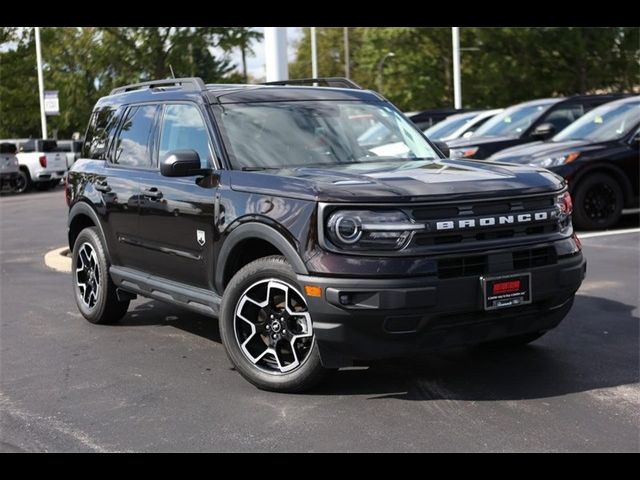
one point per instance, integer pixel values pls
(366, 319)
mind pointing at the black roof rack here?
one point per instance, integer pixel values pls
(189, 83)
(339, 82)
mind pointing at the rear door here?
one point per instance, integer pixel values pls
(177, 214)
(128, 157)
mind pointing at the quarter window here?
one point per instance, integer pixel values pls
(183, 128)
(101, 127)
(132, 146)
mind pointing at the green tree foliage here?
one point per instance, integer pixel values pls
(86, 63)
(500, 66)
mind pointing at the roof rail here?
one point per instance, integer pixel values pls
(189, 83)
(339, 82)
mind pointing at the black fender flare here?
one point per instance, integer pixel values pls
(613, 170)
(262, 232)
(83, 208)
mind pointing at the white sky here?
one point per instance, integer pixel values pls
(255, 63)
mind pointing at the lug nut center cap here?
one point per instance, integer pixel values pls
(276, 327)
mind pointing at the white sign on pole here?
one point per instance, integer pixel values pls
(51, 104)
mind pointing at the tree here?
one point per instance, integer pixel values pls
(241, 38)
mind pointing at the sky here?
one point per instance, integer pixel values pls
(255, 63)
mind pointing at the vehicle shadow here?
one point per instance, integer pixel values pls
(595, 347)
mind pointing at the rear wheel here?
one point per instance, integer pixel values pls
(266, 328)
(94, 291)
(23, 181)
(598, 202)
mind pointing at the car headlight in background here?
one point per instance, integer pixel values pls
(463, 152)
(555, 161)
(370, 230)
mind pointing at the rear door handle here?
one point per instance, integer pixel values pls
(152, 192)
(102, 186)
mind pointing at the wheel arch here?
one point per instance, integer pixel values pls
(257, 234)
(81, 216)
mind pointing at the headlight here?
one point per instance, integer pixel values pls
(564, 204)
(370, 230)
(555, 161)
(462, 152)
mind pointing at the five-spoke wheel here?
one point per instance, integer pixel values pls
(88, 275)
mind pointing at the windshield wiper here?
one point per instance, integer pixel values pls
(258, 169)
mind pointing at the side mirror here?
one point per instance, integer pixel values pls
(182, 163)
(443, 147)
(543, 131)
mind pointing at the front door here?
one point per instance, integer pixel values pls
(177, 214)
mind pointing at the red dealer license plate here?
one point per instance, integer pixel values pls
(506, 291)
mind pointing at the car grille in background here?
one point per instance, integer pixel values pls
(474, 265)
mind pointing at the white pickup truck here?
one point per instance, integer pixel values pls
(41, 165)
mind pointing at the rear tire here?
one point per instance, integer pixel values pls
(94, 291)
(598, 202)
(272, 345)
(23, 181)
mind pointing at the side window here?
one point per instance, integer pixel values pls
(183, 128)
(562, 117)
(100, 131)
(132, 146)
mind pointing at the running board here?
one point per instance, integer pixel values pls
(196, 299)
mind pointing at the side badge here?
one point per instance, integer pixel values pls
(200, 237)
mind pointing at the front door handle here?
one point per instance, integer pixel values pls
(102, 186)
(152, 192)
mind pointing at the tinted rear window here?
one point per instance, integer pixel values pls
(99, 133)
(9, 148)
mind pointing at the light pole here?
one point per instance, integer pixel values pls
(314, 54)
(457, 82)
(43, 116)
(275, 43)
(347, 60)
(381, 67)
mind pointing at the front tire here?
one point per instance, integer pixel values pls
(94, 291)
(266, 328)
(598, 202)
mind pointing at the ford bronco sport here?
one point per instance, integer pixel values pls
(256, 204)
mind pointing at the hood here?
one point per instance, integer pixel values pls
(523, 154)
(474, 141)
(398, 181)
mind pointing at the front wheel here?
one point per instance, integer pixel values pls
(598, 202)
(266, 328)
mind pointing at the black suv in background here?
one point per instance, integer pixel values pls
(524, 123)
(599, 155)
(257, 205)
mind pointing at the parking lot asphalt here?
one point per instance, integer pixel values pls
(160, 380)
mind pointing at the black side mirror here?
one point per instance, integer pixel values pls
(544, 131)
(182, 163)
(443, 147)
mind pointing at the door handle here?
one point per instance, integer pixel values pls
(102, 186)
(152, 193)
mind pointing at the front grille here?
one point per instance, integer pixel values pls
(476, 265)
(432, 214)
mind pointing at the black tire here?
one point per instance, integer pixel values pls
(102, 307)
(23, 181)
(308, 372)
(511, 342)
(597, 202)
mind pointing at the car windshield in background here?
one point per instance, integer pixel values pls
(294, 134)
(449, 125)
(605, 123)
(513, 121)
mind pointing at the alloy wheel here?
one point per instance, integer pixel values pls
(88, 275)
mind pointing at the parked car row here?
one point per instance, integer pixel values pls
(35, 163)
(593, 141)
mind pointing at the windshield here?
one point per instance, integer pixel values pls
(288, 134)
(448, 126)
(513, 121)
(602, 124)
